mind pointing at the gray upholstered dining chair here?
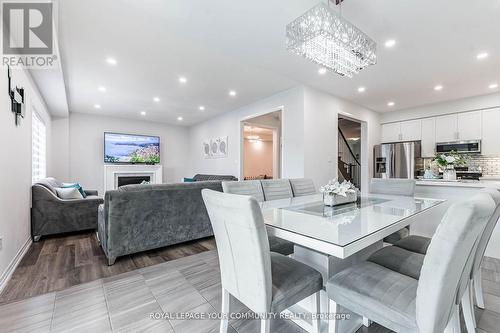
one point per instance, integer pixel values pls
(264, 281)
(275, 189)
(254, 189)
(430, 304)
(302, 186)
(394, 186)
(417, 246)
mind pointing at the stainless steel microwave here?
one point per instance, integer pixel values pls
(462, 147)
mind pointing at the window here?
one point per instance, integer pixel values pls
(38, 148)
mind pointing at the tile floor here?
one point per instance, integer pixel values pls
(123, 303)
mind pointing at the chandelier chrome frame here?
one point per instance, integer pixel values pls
(323, 36)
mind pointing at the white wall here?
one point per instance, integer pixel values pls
(258, 158)
(228, 124)
(321, 113)
(86, 136)
(15, 167)
(459, 105)
(310, 131)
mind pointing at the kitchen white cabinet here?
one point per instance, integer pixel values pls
(402, 131)
(469, 125)
(411, 130)
(460, 126)
(446, 128)
(391, 132)
(428, 137)
(491, 132)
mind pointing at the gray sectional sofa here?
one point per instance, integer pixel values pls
(52, 215)
(137, 218)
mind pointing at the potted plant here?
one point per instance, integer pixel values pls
(447, 163)
(336, 193)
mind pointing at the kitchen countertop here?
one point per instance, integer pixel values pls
(461, 183)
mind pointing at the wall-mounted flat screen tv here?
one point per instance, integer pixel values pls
(131, 148)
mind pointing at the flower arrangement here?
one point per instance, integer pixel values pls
(336, 193)
(334, 187)
(452, 158)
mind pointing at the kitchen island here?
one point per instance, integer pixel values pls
(452, 191)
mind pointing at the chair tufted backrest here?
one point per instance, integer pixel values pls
(243, 247)
(448, 262)
(245, 187)
(393, 186)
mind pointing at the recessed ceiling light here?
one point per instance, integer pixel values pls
(322, 70)
(482, 55)
(102, 89)
(391, 103)
(111, 61)
(361, 89)
(201, 108)
(180, 118)
(232, 93)
(438, 87)
(156, 99)
(493, 86)
(143, 113)
(182, 79)
(97, 106)
(390, 43)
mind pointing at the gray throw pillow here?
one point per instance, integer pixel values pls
(68, 193)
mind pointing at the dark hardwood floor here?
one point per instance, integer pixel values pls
(59, 262)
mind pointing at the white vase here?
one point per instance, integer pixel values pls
(335, 199)
(449, 174)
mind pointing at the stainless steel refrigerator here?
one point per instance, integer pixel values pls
(397, 160)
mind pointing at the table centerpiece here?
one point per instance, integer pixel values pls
(336, 193)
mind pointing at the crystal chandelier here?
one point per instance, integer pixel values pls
(324, 37)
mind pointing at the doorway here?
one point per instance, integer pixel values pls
(261, 147)
(349, 150)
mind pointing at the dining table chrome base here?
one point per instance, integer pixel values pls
(348, 321)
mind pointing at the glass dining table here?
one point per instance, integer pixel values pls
(333, 238)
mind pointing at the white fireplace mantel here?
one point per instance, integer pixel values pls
(113, 171)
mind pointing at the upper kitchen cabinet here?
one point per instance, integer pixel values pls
(469, 125)
(446, 128)
(461, 126)
(491, 132)
(411, 130)
(403, 131)
(391, 132)
(428, 137)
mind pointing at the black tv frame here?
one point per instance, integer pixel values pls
(130, 134)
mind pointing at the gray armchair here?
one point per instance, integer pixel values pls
(52, 215)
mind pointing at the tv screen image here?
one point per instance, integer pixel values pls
(131, 148)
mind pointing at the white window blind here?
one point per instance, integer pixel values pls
(39, 149)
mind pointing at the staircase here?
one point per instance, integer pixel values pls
(348, 165)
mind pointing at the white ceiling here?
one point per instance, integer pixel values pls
(226, 44)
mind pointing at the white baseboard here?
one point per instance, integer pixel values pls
(5, 277)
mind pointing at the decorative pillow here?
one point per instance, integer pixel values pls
(68, 193)
(188, 180)
(77, 186)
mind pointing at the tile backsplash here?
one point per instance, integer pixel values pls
(490, 164)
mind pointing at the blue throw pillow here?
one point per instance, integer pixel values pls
(188, 180)
(77, 186)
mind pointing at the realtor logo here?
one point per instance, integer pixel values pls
(28, 34)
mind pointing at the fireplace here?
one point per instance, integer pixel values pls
(118, 175)
(128, 180)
